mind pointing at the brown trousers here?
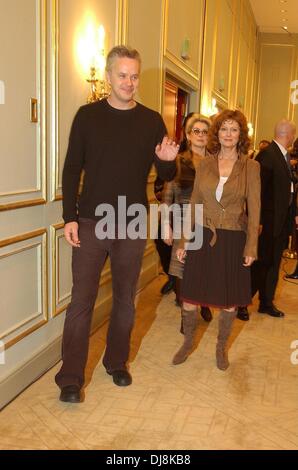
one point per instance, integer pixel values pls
(87, 264)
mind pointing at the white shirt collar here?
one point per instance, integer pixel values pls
(282, 149)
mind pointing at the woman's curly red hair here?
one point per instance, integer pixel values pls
(229, 115)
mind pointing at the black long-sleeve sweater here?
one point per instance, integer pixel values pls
(116, 149)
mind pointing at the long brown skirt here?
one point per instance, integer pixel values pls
(215, 276)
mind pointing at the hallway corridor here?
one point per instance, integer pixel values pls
(253, 405)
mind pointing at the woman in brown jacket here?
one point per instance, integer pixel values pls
(228, 187)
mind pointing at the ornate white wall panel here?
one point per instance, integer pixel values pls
(184, 21)
(61, 270)
(22, 70)
(23, 281)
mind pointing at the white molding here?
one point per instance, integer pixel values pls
(29, 372)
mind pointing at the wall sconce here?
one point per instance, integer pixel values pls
(213, 109)
(250, 129)
(241, 102)
(91, 52)
(185, 49)
(221, 84)
(99, 89)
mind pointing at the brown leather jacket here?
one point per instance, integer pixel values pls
(239, 207)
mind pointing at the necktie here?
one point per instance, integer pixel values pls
(288, 158)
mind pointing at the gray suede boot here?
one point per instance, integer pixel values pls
(190, 323)
(225, 322)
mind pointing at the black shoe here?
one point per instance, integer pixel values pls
(122, 378)
(70, 394)
(271, 310)
(168, 286)
(243, 314)
(206, 314)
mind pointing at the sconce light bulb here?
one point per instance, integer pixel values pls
(101, 38)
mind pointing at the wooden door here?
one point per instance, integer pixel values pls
(170, 108)
(175, 109)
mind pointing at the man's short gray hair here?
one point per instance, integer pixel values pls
(120, 52)
(284, 127)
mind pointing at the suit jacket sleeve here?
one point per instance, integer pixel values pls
(266, 172)
(253, 201)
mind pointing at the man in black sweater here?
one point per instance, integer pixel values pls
(115, 141)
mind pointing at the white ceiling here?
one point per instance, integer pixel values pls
(269, 17)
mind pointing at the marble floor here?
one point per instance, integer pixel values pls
(252, 405)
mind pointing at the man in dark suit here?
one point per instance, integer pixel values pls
(276, 202)
(294, 163)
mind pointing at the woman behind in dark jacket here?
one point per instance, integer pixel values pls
(178, 191)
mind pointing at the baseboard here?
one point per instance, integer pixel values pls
(16, 383)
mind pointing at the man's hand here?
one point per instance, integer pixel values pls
(248, 260)
(71, 233)
(167, 150)
(181, 253)
(296, 220)
(168, 240)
